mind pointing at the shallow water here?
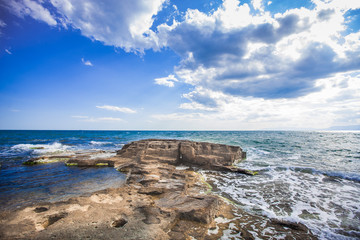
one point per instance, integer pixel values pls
(310, 177)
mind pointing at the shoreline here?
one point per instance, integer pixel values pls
(159, 201)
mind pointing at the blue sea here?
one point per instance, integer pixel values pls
(307, 177)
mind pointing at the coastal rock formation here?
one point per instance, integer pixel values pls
(163, 198)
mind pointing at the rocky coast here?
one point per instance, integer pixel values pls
(164, 197)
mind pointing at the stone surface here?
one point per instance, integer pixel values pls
(163, 198)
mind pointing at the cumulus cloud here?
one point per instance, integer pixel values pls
(117, 109)
(166, 81)
(34, 9)
(86, 62)
(281, 56)
(258, 5)
(335, 104)
(124, 24)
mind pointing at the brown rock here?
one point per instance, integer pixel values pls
(207, 154)
(160, 200)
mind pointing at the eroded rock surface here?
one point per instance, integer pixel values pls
(162, 199)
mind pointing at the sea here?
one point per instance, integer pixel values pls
(311, 177)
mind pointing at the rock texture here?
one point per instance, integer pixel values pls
(163, 198)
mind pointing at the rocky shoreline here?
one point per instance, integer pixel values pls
(163, 198)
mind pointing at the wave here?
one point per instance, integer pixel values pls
(341, 175)
(322, 200)
(307, 170)
(99, 143)
(348, 176)
(41, 148)
(102, 155)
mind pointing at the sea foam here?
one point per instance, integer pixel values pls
(55, 147)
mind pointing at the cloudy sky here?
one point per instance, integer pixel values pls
(179, 64)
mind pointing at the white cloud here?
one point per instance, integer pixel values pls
(179, 116)
(80, 117)
(110, 119)
(281, 56)
(117, 109)
(86, 62)
(336, 104)
(343, 5)
(8, 51)
(166, 81)
(2, 23)
(31, 8)
(258, 5)
(103, 119)
(98, 119)
(124, 24)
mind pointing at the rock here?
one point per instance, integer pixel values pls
(53, 219)
(90, 163)
(162, 199)
(293, 225)
(35, 148)
(176, 152)
(46, 159)
(194, 208)
(207, 155)
(40, 209)
(119, 223)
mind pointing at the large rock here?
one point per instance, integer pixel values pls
(176, 152)
(208, 155)
(162, 199)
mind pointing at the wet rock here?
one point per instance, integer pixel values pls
(53, 219)
(90, 163)
(40, 209)
(119, 222)
(292, 225)
(46, 159)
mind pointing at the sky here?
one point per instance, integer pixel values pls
(180, 64)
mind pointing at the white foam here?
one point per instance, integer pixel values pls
(182, 167)
(103, 155)
(99, 143)
(42, 148)
(300, 196)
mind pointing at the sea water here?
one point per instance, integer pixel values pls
(307, 177)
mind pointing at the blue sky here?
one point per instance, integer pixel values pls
(179, 65)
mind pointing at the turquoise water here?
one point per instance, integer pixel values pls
(309, 177)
